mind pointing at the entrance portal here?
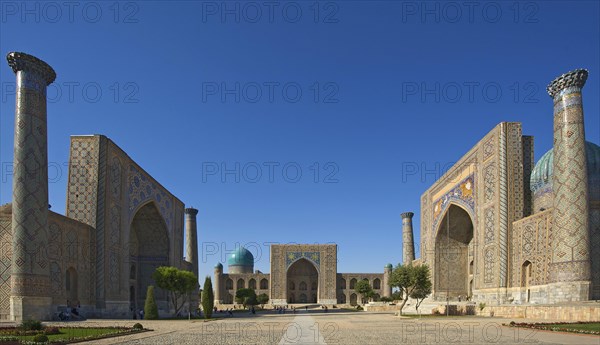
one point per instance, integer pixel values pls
(148, 249)
(302, 274)
(454, 238)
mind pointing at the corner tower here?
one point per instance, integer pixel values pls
(570, 266)
(408, 243)
(30, 273)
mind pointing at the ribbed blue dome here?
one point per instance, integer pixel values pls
(388, 266)
(240, 257)
(541, 176)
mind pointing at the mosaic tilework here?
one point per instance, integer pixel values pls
(570, 186)
(490, 182)
(5, 263)
(29, 267)
(489, 148)
(490, 225)
(462, 194)
(292, 257)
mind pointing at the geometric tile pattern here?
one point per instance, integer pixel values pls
(462, 194)
(324, 258)
(490, 222)
(30, 266)
(292, 257)
(570, 258)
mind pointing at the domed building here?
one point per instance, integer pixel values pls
(541, 177)
(300, 273)
(499, 228)
(240, 260)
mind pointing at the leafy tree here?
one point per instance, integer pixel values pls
(423, 288)
(179, 283)
(262, 299)
(208, 298)
(246, 297)
(150, 308)
(408, 279)
(397, 295)
(363, 288)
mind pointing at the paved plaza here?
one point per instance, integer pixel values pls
(337, 328)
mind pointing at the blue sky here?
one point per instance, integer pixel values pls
(357, 91)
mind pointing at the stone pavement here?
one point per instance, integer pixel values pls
(337, 328)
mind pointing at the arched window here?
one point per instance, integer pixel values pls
(229, 284)
(292, 286)
(240, 284)
(302, 286)
(343, 285)
(376, 284)
(252, 284)
(264, 284)
(342, 299)
(353, 299)
(313, 286)
(132, 272)
(352, 283)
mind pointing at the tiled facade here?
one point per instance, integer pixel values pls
(300, 274)
(497, 229)
(120, 222)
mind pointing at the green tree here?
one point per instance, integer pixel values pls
(262, 299)
(397, 295)
(363, 288)
(246, 297)
(208, 298)
(150, 308)
(423, 287)
(408, 279)
(179, 284)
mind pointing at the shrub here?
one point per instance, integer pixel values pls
(31, 325)
(40, 338)
(51, 330)
(207, 299)
(482, 306)
(138, 326)
(150, 307)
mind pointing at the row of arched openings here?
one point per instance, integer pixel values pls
(241, 284)
(376, 283)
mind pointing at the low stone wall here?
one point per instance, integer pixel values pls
(453, 309)
(382, 307)
(550, 313)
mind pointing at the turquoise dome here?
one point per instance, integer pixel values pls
(240, 257)
(541, 176)
(388, 266)
(219, 265)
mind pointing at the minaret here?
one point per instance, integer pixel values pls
(30, 273)
(408, 244)
(570, 267)
(191, 239)
(387, 273)
(217, 283)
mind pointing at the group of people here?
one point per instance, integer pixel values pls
(229, 311)
(137, 314)
(71, 312)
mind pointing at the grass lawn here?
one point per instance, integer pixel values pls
(77, 333)
(580, 326)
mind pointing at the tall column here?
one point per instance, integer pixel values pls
(387, 273)
(408, 244)
(30, 273)
(217, 284)
(571, 242)
(191, 239)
